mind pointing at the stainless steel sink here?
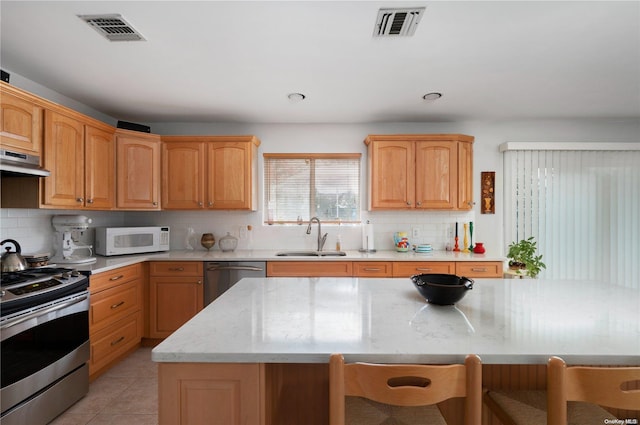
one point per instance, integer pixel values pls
(311, 254)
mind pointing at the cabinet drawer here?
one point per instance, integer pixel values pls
(101, 281)
(113, 304)
(176, 268)
(372, 268)
(309, 268)
(479, 268)
(409, 268)
(114, 340)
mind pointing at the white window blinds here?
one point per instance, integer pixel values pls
(301, 186)
(583, 208)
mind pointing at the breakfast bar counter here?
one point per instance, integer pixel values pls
(257, 339)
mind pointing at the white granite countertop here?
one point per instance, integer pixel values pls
(304, 320)
(109, 263)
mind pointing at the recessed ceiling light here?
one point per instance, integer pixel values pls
(432, 96)
(296, 97)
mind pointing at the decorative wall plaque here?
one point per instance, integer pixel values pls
(488, 181)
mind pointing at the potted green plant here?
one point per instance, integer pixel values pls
(523, 257)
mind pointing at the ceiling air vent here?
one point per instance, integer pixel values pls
(397, 22)
(113, 27)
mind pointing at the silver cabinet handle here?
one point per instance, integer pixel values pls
(89, 201)
(408, 202)
(478, 269)
(116, 277)
(210, 203)
(79, 199)
(422, 269)
(418, 203)
(116, 305)
(117, 341)
(176, 269)
(371, 269)
(154, 203)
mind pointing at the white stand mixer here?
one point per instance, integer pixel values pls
(68, 227)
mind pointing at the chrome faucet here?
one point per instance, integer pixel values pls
(321, 239)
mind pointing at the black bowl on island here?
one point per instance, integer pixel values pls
(443, 289)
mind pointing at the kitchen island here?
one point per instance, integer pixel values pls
(260, 352)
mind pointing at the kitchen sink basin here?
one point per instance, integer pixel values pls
(311, 254)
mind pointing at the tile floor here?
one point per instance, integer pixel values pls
(126, 394)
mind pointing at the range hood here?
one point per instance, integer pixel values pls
(21, 164)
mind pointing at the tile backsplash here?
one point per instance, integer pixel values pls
(33, 230)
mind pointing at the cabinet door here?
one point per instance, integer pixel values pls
(137, 171)
(372, 268)
(392, 174)
(172, 302)
(211, 393)
(100, 166)
(465, 175)
(409, 268)
(477, 269)
(309, 268)
(229, 175)
(436, 174)
(64, 157)
(20, 124)
(183, 170)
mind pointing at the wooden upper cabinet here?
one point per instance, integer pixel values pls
(392, 174)
(209, 172)
(465, 175)
(64, 157)
(100, 168)
(229, 175)
(183, 175)
(436, 174)
(80, 157)
(137, 170)
(20, 121)
(420, 171)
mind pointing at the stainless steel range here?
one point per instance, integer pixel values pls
(44, 343)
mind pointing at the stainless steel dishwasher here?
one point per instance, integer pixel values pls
(219, 276)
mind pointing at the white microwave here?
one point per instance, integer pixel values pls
(131, 240)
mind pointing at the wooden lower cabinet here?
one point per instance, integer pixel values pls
(309, 269)
(289, 393)
(211, 393)
(115, 316)
(480, 269)
(410, 268)
(474, 269)
(176, 294)
(372, 268)
(114, 342)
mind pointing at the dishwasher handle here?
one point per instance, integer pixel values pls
(247, 268)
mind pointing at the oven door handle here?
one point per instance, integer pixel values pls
(43, 312)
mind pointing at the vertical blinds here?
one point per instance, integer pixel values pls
(583, 208)
(298, 187)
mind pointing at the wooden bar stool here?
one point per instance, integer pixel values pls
(365, 393)
(588, 388)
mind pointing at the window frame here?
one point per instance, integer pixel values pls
(310, 156)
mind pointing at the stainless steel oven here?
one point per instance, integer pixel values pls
(44, 343)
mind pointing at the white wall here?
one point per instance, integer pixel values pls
(32, 227)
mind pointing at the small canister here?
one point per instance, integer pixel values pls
(228, 243)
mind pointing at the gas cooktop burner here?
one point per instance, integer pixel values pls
(14, 278)
(34, 285)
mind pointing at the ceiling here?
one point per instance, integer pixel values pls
(236, 61)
